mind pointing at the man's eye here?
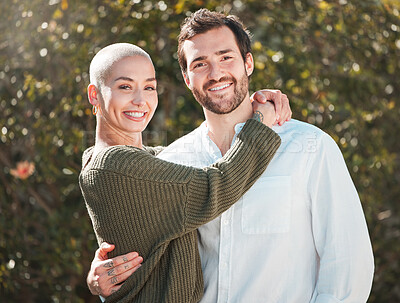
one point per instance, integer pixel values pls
(198, 65)
(226, 58)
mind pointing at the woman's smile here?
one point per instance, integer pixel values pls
(135, 114)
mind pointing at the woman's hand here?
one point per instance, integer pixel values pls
(280, 101)
(106, 275)
(264, 113)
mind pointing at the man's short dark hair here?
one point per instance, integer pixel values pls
(203, 21)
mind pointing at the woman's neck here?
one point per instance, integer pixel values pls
(107, 136)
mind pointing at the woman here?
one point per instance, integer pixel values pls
(137, 201)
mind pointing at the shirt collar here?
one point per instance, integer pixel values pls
(204, 127)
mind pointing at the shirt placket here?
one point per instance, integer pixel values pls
(226, 228)
(225, 255)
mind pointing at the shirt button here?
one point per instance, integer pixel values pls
(226, 222)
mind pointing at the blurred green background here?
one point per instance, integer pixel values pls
(338, 61)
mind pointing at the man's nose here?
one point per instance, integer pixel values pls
(216, 72)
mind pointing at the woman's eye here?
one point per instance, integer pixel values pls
(150, 88)
(124, 86)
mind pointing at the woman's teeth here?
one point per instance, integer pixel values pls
(135, 114)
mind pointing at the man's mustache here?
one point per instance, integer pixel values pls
(223, 79)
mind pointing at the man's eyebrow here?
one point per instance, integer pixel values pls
(224, 51)
(221, 52)
(201, 58)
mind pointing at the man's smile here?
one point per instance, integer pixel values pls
(220, 87)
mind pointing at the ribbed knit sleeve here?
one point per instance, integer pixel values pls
(141, 203)
(154, 150)
(224, 182)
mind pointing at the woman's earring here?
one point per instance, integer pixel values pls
(95, 109)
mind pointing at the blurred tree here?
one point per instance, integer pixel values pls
(336, 60)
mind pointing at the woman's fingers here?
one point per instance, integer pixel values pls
(286, 111)
(281, 102)
(259, 97)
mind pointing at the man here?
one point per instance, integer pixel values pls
(299, 234)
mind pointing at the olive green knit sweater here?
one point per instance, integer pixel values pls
(141, 203)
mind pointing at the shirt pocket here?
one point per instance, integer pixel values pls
(267, 206)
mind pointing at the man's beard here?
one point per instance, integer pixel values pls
(224, 106)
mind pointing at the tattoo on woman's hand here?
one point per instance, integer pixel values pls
(258, 116)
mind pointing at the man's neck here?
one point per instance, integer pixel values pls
(222, 127)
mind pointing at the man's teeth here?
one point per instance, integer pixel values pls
(219, 87)
(135, 114)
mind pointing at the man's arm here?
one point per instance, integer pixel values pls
(100, 279)
(339, 229)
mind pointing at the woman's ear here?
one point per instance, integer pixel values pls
(93, 95)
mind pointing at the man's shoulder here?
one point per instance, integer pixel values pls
(301, 136)
(295, 129)
(296, 126)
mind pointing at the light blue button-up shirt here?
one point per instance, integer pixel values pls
(298, 235)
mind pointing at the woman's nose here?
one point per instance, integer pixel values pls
(138, 99)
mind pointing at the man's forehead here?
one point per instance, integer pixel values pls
(210, 42)
(192, 47)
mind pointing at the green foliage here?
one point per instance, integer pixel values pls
(336, 60)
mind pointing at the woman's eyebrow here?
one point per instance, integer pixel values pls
(124, 78)
(131, 80)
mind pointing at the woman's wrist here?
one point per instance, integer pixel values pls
(258, 116)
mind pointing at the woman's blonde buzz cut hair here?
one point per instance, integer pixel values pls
(102, 63)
